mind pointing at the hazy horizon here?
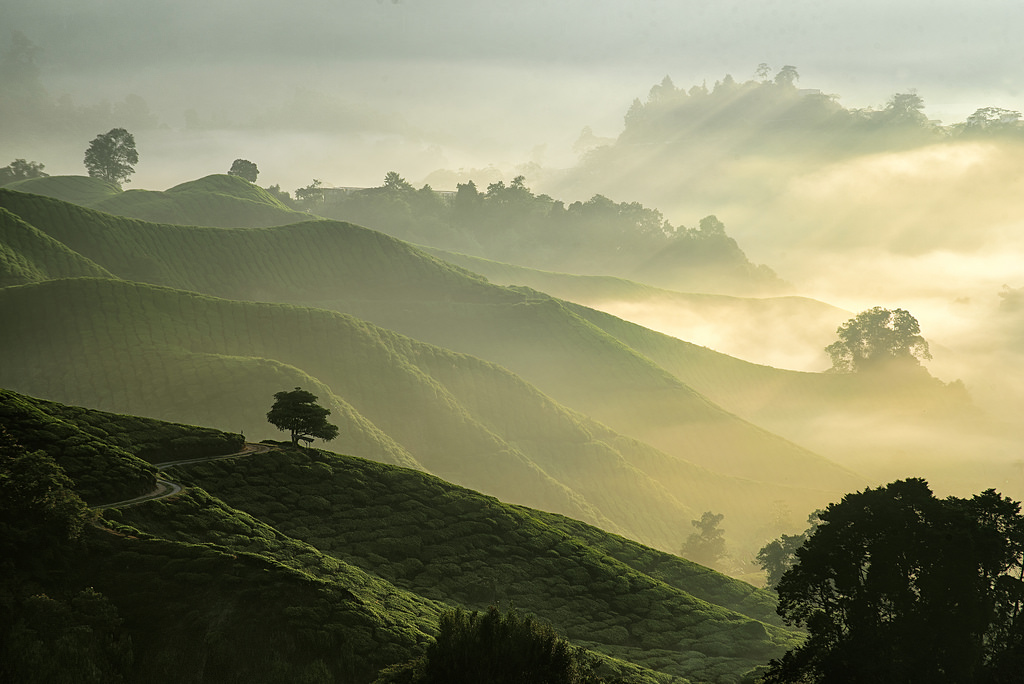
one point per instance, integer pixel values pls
(415, 86)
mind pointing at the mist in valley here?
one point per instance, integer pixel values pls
(848, 205)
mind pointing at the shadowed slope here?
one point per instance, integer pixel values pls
(295, 564)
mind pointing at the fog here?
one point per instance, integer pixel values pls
(450, 90)
(459, 84)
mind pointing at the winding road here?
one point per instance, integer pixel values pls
(165, 488)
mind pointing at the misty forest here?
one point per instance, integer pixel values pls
(718, 382)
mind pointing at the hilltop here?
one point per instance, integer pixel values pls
(215, 200)
(354, 560)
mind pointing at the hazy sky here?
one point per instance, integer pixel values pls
(475, 83)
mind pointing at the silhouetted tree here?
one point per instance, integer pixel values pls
(875, 338)
(296, 411)
(394, 182)
(112, 156)
(787, 76)
(905, 108)
(707, 545)
(20, 169)
(778, 555)
(243, 168)
(496, 648)
(897, 585)
(311, 195)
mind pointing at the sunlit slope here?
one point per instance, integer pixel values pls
(126, 347)
(83, 190)
(785, 331)
(883, 425)
(339, 266)
(447, 543)
(30, 255)
(216, 200)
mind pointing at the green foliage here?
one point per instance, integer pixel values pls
(877, 339)
(512, 224)
(297, 412)
(779, 555)
(78, 641)
(243, 168)
(99, 465)
(898, 585)
(112, 156)
(20, 169)
(496, 648)
(39, 511)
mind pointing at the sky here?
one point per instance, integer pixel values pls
(415, 85)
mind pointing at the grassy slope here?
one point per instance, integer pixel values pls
(447, 543)
(292, 561)
(198, 359)
(339, 266)
(216, 200)
(395, 284)
(30, 255)
(83, 190)
(107, 455)
(909, 421)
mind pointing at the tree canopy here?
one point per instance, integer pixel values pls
(896, 585)
(495, 648)
(296, 411)
(111, 156)
(876, 338)
(20, 169)
(243, 168)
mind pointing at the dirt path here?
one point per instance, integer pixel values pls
(165, 488)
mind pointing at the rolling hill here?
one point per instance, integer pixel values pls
(216, 200)
(342, 267)
(195, 359)
(298, 564)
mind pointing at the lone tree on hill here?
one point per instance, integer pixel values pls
(876, 338)
(297, 411)
(111, 156)
(896, 585)
(243, 168)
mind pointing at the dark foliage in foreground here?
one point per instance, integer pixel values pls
(897, 585)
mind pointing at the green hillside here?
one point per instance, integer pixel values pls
(29, 255)
(83, 190)
(345, 268)
(195, 359)
(884, 426)
(217, 200)
(302, 565)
